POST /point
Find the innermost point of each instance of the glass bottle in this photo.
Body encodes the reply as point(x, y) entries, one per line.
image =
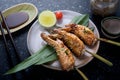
point(104, 7)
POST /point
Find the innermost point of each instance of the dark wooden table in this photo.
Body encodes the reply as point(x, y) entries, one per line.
point(95, 70)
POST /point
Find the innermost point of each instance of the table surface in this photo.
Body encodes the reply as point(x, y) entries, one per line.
point(95, 70)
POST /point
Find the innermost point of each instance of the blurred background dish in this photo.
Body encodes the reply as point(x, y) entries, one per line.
point(28, 8)
point(104, 7)
point(110, 27)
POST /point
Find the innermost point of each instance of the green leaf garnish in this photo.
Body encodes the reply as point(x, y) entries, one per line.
point(82, 19)
point(50, 58)
point(92, 28)
point(36, 58)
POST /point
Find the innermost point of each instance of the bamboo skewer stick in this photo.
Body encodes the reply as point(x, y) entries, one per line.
point(81, 73)
point(109, 41)
point(100, 58)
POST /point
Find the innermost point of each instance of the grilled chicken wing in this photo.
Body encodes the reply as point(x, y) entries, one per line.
point(70, 40)
point(82, 32)
point(64, 54)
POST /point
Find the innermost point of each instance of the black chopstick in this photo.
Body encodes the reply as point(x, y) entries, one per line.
point(9, 59)
point(12, 41)
point(6, 46)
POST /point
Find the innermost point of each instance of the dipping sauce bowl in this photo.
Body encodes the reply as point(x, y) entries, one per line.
point(110, 26)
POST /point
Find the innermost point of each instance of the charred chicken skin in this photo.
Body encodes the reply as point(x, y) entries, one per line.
point(70, 40)
point(84, 33)
point(65, 56)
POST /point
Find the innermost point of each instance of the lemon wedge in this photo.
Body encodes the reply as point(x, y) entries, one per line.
point(47, 18)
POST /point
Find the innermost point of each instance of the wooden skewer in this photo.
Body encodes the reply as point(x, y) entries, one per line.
point(100, 58)
point(81, 73)
point(96, 56)
point(109, 41)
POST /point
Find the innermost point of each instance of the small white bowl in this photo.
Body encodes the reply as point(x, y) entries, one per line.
point(110, 27)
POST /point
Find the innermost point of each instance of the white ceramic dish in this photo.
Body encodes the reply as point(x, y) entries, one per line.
point(29, 8)
point(35, 42)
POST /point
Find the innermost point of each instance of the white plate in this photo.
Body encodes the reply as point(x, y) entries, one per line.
point(35, 42)
point(29, 8)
